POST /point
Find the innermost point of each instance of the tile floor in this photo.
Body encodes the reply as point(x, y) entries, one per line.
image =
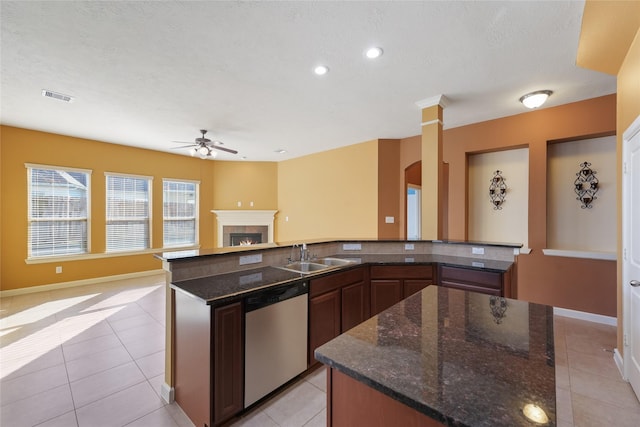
point(94, 356)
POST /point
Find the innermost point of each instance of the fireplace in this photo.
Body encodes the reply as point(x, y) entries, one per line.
point(245, 239)
point(241, 227)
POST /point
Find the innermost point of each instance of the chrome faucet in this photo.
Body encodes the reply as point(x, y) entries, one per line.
point(304, 253)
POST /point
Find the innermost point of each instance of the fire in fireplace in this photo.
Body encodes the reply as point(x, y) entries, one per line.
point(245, 239)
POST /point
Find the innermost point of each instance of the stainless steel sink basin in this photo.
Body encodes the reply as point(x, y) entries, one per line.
point(305, 267)
point(318, 264)
point(333, 261)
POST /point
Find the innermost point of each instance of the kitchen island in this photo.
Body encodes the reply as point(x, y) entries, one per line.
point(444, 357)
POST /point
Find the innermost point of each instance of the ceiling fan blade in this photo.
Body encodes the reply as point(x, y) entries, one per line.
point(184, 146)
point(228, 150)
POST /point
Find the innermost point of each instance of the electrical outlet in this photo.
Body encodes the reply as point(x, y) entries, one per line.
point(389, 219)
point(409, 247)
point(250, 259)
point(58, 269)
point(477, 251)
point(352, 247)
point(477, 264)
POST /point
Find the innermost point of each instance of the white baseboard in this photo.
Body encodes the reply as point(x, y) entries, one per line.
point(617, 357)
point(583, 315)
point(167, 393)
point(93, 281)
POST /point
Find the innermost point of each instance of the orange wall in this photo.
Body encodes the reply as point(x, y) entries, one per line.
point(20, 146)
point(585, 285)
point(332, 194)
point(245, 182)
point(388, 185)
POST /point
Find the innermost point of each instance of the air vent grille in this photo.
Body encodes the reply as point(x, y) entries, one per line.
point(56, 95)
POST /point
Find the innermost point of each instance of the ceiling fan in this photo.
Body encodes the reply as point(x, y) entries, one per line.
point(204, 147)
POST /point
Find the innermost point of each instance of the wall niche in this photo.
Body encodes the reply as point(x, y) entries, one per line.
point(509, 223)
point(572, 226)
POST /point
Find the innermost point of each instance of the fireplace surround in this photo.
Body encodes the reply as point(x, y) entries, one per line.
point(244, 224)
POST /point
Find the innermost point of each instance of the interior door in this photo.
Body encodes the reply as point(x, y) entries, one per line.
point(631, 253)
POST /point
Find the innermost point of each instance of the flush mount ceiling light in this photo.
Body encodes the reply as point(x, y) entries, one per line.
point(321, 70)
point(535, 99)
point(373, 52)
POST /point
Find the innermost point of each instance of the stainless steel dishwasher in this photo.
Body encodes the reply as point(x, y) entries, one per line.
point(275, 339)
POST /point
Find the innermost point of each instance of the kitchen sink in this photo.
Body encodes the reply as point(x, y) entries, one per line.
point(333, 261)
point(319, 264)
point(305, 267)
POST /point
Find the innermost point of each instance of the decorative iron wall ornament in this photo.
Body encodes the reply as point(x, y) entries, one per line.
point(497, 190)
point(586, 185)
point(498, 306)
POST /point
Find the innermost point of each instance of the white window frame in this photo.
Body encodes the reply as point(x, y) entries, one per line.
point(149, 219)
point(196, 216)
point(31, 219)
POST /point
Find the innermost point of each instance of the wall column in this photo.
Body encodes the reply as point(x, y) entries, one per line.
point(433, 180)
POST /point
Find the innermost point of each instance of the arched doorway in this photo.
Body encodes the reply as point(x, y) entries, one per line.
point(413, 200)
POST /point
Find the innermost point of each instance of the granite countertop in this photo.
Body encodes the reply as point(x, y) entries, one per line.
point(446, 354)
point(223, 288)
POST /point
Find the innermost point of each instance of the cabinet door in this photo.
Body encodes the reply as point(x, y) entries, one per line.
point(228, 381)
point(412, 286)
point(354, 308)
point(384, 294)
point(324, 320)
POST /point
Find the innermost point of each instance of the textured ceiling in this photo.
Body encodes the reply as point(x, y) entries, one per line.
point(148, 73)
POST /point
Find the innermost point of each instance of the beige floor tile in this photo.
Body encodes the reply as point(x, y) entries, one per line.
point(37, 408)
point(126, 312)
point(590, 363)
point(318, 378)
point(151, 365)
point(178, 415)
point(97, 362)
point(75, 334)
point(138, 320)
point(603, 389)
point(13, 368)
point(158, 418)
point(31, 384)
point(256, 418)
point(564, 407)
point(562, 377)
point(140, 332)
point(296, 406)
point(320, 420)
point(105, 383)
point(64, 420)
point(588, 412)
point(90, 346)
point(145, 346)
point(120, 408)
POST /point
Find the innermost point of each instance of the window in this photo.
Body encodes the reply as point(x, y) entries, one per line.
point(128, 215)
point(180, 213)
point(58, 210)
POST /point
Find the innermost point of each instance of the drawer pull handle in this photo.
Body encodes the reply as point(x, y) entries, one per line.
point(634, 283)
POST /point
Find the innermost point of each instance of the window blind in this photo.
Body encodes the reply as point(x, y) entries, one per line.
point(58, 211)
point(128, 219)
point(180, 213)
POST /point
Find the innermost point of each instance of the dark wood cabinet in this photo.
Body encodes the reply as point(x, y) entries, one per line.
point(324, 320)
point(467, 279)
point(384, 294)
point(228, 380)
point(208, 360)
point(354, 309)
point(337, 303)
point(392, 283)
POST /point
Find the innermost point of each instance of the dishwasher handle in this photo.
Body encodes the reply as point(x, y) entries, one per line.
point(268, 297)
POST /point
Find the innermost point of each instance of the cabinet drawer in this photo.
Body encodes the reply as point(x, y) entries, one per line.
point(401, 272)
point(335, 281)
point(475, 278)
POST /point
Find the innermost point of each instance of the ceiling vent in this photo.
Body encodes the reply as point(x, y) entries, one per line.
point(56, 95)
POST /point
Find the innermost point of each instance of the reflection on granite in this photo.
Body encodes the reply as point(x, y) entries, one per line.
point(222, 287)
point(442, 353)
point(455, 261)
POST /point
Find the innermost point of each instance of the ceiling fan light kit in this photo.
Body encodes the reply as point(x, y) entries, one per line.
point(204, 147)
point(535, 99)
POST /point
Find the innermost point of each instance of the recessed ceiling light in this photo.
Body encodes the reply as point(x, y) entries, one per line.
point(321, 70)
point(373, 52)
point(535, 99)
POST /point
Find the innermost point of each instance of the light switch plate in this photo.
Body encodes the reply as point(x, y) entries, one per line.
point(389, 219)
point(477, 251)
point(409, 247)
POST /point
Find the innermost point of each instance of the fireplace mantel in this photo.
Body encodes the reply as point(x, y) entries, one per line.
point(244, 218)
